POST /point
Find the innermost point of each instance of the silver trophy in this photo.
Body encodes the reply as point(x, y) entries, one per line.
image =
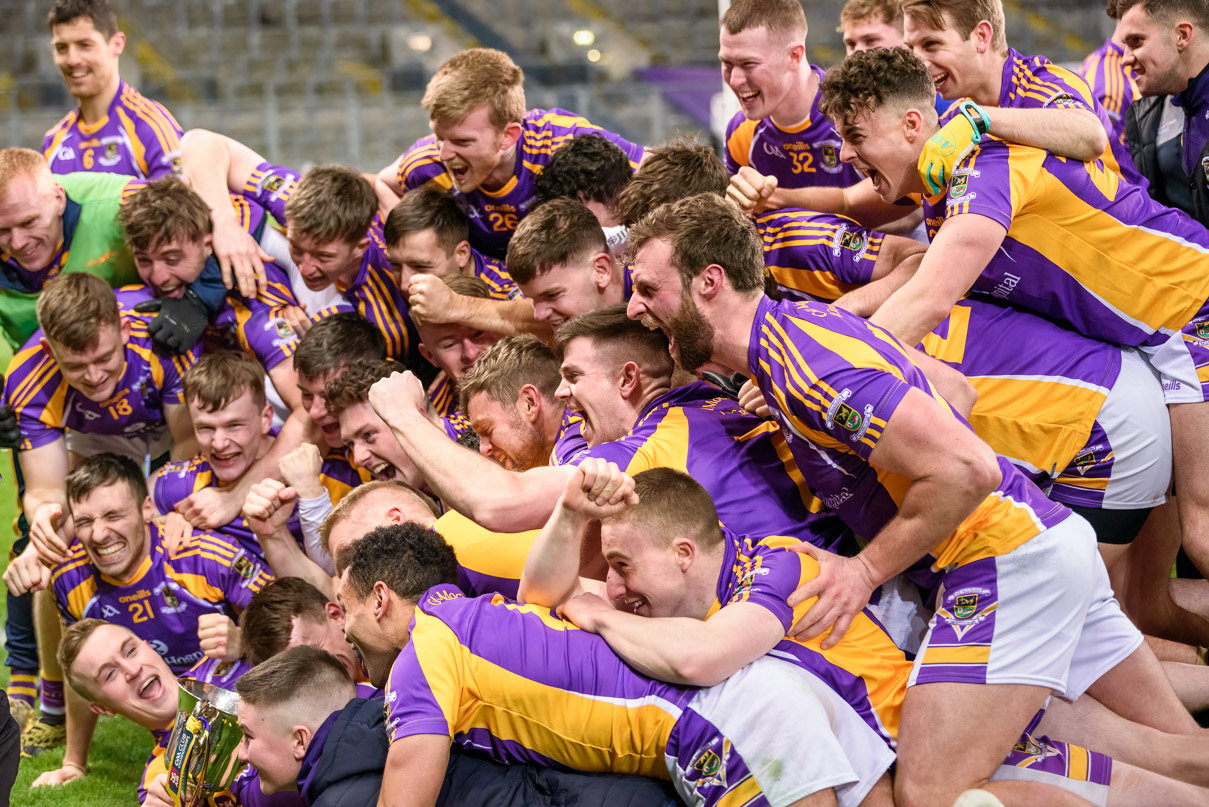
point(202, 757)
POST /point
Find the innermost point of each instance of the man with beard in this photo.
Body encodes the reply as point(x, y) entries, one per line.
point(486, 150)
point(618, 376)
point(882, 447)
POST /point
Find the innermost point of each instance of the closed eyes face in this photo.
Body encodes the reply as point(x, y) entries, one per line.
point(123, 673)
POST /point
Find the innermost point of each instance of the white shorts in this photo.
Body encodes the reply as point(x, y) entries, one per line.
point(1183, 361)
point(1042, 615)
point(143, 449)
point(772, 734)
point(1126, 462)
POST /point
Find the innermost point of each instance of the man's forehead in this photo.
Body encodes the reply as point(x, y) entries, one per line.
point(101, 647)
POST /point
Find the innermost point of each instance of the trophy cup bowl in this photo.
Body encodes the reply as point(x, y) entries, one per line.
point(201, 757)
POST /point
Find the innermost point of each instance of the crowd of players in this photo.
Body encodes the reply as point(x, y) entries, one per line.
point(544, 468)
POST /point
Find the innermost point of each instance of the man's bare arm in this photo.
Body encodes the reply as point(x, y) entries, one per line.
point(1066, 132)
point(960, 252)
point(430, 299)
point(897, 262)
point(415, 771)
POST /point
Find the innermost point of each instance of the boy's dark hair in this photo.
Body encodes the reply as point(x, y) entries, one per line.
point(104, 18)
point(409, 558)
point(1196, 11)
point(560, 232)
point(268, 621)
point(590, 167)
point(102, 470)
point(673, 171)
point(869, 80)
point(334, 342)
point(428, 208)
point(351, 387)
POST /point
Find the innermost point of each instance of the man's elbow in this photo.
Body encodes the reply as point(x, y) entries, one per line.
point(700, 670)
point(1095, 143)
point(980, 474)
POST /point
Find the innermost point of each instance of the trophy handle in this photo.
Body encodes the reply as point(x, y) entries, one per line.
point(186, 771)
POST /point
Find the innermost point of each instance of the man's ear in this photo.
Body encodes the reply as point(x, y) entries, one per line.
point(529, 403)
point(334, 611)
point(117, 43)
point(711, 281)
point(797, 54)
point(511, 135)
point(381, 594)
point(60, 199)
point(103, 711)
point(426, 353)
point(148, 509)
point(461, 255)
point(984, 36)
point(602, 270)
point(629, 379)
point(125, 330)
point(362, 245)
point(685, 551)
point(266, 419)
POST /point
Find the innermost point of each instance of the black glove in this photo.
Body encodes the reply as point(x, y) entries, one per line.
point(180, 323)
point(10, 435)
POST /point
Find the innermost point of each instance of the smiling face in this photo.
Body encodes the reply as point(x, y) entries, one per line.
point(885, 145)
point(234, 437)
point(111, 525)
point(271, 746)
point(505, 435)
point(169, 268)
point(329, 636)
point(590, 380)
point(645, 577)
point(568, 290)
point(760, 68)
point(87, 60)
point(123, 674)
point(323, 263)
point(375, 448)
point(1152, 50)
point(453, 348)
point(471, 149)
point(31, 220)
point(94, 372)
point(366, 632)
point(951, 59)
point(870, 33)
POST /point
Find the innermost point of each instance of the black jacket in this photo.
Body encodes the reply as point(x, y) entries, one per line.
point(343, 766)
point(1142, 133)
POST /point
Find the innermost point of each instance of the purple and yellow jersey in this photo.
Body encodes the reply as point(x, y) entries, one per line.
point(339, 476)
point(1113, 85)
point(163, 599)
point(1040, 385)
point(177, 481)
point(1034, 82)
point(1082, 246)
point(570, 441)
point(833, 381)
point(865, 667)
point(494, 215)
point(495, 274)
point(488, 562)
point(817, 256)
point(245, 790)
point(741, 460)
point(45, 405)
point(456, 426)
point(521, 685)
point(443, 395)
point(137, 137)
point(806, 155)
point(374, 293)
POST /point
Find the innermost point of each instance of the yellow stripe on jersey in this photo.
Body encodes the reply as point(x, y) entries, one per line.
point(742, 793)
point(1076, 242)
point(1043, 422)
point(961, 654)
point(61, 130)
point(132, 137)
point(497, 554)
point(564, 726)
point(1085, 482)
point(817, 284)
point(195, 584)
point(78, 597)
point(156, 117)
point(153, 362)
point(739, 143)
point(667, 446)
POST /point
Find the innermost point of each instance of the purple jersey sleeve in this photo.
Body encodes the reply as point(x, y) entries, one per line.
point(422, 164)
point(852, 405)
point(983, 184)
point(225, 566)
point(270, 186)
point(174, 483)
point(35, 390)
point(813, 253)
point(732, 165)
point(414, 688)
point(767, 572)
